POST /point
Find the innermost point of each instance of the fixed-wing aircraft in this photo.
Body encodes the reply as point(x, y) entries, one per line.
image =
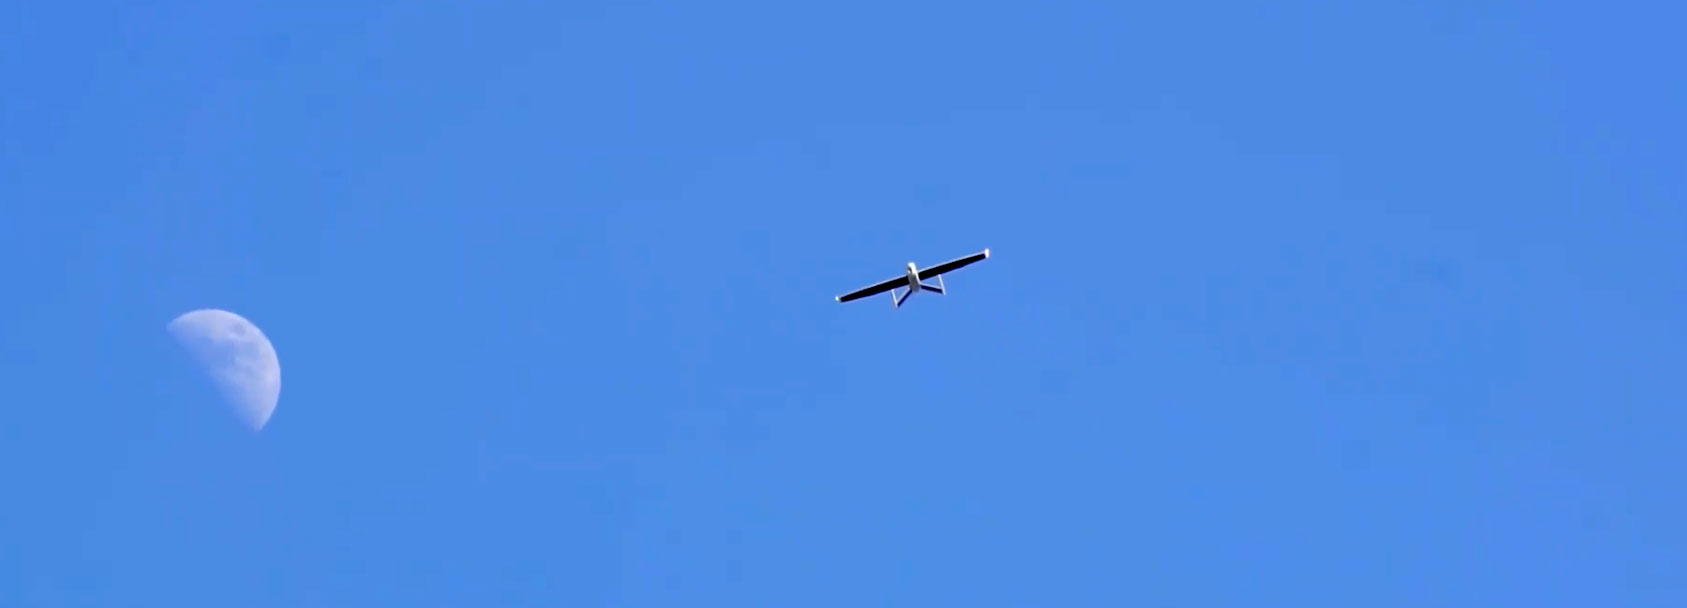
point(913, 279)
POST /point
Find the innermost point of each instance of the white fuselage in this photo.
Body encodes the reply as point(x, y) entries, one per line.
point(913, 277)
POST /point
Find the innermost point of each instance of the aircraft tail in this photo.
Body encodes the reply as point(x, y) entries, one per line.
point(897, 300)
point(903, 298)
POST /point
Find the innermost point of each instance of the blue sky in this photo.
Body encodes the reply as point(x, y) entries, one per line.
point(1290, 304)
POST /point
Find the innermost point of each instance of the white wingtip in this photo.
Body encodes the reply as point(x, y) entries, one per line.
point(986, 252)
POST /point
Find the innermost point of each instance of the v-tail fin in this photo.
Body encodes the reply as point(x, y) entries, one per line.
point(903, 298)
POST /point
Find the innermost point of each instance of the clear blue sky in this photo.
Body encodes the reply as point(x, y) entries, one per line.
point(1298, 303)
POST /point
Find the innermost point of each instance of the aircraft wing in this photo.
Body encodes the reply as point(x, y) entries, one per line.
point(874, 289)
point(927, 273)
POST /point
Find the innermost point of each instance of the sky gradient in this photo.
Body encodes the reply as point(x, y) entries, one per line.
point(1289, 304)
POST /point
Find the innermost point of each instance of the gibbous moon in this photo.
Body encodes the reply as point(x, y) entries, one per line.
point(239, 359)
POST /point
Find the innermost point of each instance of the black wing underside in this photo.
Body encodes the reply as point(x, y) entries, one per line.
point(953, 264)
point(875, 289)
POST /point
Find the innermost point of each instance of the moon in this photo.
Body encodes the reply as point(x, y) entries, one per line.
point(238, 357)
